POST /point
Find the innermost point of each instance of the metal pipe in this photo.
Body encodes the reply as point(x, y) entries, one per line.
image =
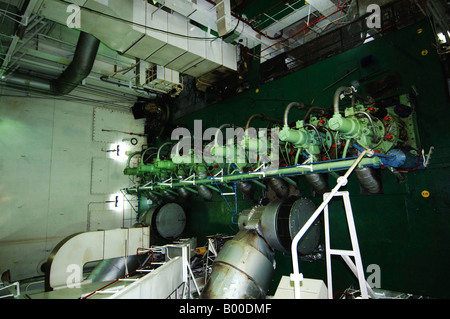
point(318, 182)
point(318, 134)
point(243, 268)
point(245, 265)
point(145, 151)
point(279, 186)
point(347, 144)
point(303, 169)
point(131, 156)
point(114, 268)
point(366, 176)
point(374, 128)
point(286, 111)
point(203, 190)
point(159, 149)
point(337, 96)
point(218, 130)
point(263, 117)
point(80, 67)
point(74, 74)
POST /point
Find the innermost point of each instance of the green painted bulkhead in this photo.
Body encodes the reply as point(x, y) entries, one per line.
point(401, 231)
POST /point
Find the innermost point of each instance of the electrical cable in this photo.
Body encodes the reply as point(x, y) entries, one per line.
point(251, 25)
point(129, 133)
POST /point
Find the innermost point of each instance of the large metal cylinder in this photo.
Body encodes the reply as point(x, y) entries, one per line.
point(243, 268)
point(245, 265)
point(282, 220)
point(169, 220)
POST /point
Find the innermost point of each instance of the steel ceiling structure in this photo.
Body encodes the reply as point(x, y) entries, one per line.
point(36, 40)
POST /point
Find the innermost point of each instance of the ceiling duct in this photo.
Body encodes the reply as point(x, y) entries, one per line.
point(73, 75)
point(151, 33)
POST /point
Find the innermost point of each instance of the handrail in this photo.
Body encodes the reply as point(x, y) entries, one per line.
point(296, 277)
point(17, 285)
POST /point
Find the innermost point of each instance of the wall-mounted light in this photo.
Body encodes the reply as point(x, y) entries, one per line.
point(441, 37)
point(117, 151)
point(115, 202)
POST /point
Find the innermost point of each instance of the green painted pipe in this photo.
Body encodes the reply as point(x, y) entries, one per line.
point(349, 127)
point(321, 167)
point(191, 190)
point(259, 184)
point(290, 181)
point(297, 137)
point(130, 171)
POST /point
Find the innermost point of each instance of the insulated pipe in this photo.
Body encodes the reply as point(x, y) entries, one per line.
point(279, 186)
point(114, 268)
point(263, 117)
point(243, 268)
point(286, 111)
point(374, 128)
point(318, 182)
point(159, 149)
point(75, 73)
point(218, 130)
point(80, 67)
point(366, 176)
point(203, 190)
point(337, 96)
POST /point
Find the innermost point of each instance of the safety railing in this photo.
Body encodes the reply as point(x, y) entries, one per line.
point(296, 276)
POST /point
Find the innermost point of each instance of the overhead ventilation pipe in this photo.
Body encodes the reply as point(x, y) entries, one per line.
point(80, 67)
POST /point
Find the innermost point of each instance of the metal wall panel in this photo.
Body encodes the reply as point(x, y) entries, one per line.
point(46, 161)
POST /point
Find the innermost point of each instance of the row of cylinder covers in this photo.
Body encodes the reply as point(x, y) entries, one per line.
point(324, 135)
point(245, 264)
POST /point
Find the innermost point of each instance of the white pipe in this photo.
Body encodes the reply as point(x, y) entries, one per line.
point(337, 97)
point(159, 149)
point(217, 132)
point(286, 112)
point(296, 277)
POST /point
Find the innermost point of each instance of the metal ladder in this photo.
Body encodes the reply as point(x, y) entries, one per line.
point(357, 269)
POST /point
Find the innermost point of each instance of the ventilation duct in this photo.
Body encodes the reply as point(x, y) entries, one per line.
point(75, 73)
point(139, 29)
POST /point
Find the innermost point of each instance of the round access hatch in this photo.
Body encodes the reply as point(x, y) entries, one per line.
point(302, 209)
point(170, 221)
